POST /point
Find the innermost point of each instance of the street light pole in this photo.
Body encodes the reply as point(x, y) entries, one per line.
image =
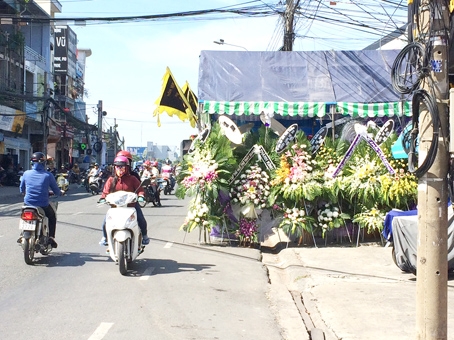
point(222, 42)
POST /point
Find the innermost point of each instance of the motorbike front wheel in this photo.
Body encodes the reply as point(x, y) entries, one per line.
point(29, 251)
point(122, 261)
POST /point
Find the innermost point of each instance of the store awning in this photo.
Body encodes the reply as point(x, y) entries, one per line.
point(308, 109)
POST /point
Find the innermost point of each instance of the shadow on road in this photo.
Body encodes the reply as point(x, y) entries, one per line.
point(68, 259)
point(138, 267)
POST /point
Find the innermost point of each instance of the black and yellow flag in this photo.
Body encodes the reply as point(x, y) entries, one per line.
point(193, 103)
point(172, 100)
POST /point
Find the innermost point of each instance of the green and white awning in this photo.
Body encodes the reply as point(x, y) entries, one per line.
point(308, 109)
point(302, 109)
point(365, 110)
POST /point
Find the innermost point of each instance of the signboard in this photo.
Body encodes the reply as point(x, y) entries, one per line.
point(137, 150)
point(13, 120)
point(65, 51)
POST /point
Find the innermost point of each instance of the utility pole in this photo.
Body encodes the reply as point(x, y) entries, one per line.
point(100, 114)
point(432, 264)
point(289, 24)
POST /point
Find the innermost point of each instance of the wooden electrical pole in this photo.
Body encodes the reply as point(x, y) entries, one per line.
point(432, 264)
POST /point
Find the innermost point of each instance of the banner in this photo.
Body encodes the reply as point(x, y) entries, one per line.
point(172, 100)
point(193, 102)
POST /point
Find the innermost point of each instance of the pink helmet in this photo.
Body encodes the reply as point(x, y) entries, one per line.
point(121, 160)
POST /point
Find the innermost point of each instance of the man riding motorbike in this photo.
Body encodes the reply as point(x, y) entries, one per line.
point(124, 180)
point(35, 186)
point(152, 172)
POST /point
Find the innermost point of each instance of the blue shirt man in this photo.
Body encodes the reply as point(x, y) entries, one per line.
point(35, 186)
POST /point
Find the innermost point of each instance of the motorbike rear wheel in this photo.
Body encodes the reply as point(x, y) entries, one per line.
point(29, 251)
point(122, 261)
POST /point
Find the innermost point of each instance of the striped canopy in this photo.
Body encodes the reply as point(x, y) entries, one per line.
point(308, 109)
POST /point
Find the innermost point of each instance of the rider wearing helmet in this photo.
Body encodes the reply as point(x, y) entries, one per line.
point(147, 170)
point(128, 155)
point(167, 173)
point(123, 180)
point(35, 186)
point(152, 173)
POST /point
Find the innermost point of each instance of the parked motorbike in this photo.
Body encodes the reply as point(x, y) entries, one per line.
point(34, 226)
point(150, 186)
point(62, 181)
point(123, 232)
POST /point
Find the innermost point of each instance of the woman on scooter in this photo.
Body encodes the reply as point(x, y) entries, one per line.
point(123, 180)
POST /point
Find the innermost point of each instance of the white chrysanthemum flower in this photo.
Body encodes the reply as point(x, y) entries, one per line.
point(335, 214)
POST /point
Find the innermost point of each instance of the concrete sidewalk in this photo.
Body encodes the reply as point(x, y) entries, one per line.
point(351, 292)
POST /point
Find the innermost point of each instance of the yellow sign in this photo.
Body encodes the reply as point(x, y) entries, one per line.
point(11, 119)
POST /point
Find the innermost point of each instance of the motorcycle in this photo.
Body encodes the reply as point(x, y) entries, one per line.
point(84, 180)
point(123, 233)
point(73, 177)
point(168, 184)
point(62, 181)
point(34, 226)
point(95, 184)
point(150, 186)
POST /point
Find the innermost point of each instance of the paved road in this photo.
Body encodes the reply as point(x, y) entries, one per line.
point(175, 290)
point(340, 292)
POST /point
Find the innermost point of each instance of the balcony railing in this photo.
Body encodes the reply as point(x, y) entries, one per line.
point(32, 55)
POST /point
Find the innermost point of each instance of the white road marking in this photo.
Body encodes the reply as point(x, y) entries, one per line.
point(147, 273)
point(168, 244)
point(101, 331)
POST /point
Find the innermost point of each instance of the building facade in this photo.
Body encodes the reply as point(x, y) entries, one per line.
point(41, 86)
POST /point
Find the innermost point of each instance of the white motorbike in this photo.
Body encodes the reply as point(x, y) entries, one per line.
point(123, 233)
point(34, 226)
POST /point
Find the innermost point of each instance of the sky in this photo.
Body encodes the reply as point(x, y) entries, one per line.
point(129, 60)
